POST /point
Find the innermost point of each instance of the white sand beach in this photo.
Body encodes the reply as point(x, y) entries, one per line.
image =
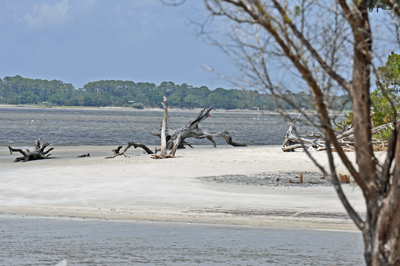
point(141, 188)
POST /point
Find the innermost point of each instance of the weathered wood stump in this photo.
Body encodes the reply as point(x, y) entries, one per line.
point(38, 154)
point(163, 154)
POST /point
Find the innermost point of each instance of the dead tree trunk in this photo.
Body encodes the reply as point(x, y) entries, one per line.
point(192, 130)
point(38, 154)
point(163, 153)
point(163, 136)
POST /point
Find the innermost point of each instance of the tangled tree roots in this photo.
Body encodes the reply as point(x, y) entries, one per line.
point(38, 154)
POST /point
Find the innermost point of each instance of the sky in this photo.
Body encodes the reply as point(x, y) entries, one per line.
point(78, 41)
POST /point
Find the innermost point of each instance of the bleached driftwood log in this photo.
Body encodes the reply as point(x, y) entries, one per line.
point(38, 154)
point(163, 137)
point(192, 130)
point(293, 140)
point(118, 152)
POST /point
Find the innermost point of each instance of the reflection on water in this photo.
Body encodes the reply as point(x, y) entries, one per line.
point(41, 241)
point(20, 127)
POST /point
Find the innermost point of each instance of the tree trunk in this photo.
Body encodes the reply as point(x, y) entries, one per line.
point(163, 153)
point(163, 136)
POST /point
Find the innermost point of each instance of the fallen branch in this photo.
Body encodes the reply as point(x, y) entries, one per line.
point(83, 155)
point(317, 142)
point(130, 144)
point(144, 147)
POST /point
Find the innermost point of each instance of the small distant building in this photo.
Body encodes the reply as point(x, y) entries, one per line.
point(255, 108)
point(131, 101)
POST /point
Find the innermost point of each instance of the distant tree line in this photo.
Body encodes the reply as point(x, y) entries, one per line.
point(19, 90)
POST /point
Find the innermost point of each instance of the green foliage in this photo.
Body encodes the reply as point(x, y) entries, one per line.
point(346, 122)
point(138, 105)
point(297, 11)
point(383, 134)
point(18, 90)
point(384, 113)
point(380, 4)
point(385, 99)
point(390, 73)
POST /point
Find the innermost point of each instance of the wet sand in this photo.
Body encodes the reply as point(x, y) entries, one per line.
point(140, 188)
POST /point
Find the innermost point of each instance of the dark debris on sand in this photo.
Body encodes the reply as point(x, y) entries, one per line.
point(286, 179)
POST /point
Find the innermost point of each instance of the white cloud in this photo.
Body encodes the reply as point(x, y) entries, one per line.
point(84, 5)
point(46, 14)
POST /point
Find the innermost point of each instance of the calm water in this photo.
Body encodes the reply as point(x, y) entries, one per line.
point(44, 241)
point(20, 127)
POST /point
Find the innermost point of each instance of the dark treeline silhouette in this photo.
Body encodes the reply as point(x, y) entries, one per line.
point(19, 90)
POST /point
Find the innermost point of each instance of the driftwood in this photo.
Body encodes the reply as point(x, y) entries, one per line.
point(172, 139)
point(192, 130)
point(118, 152)
point(38, 154)
point(144, 147)
point(316, 142)
point(163, 135)
point(83, 155)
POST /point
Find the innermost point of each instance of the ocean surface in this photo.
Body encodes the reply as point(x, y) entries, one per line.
point(68, 127)
point(46, 241)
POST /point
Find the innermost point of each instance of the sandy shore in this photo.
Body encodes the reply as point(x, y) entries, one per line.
point(140, 188)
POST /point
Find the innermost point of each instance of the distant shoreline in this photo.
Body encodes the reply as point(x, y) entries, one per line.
point(116, 108)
